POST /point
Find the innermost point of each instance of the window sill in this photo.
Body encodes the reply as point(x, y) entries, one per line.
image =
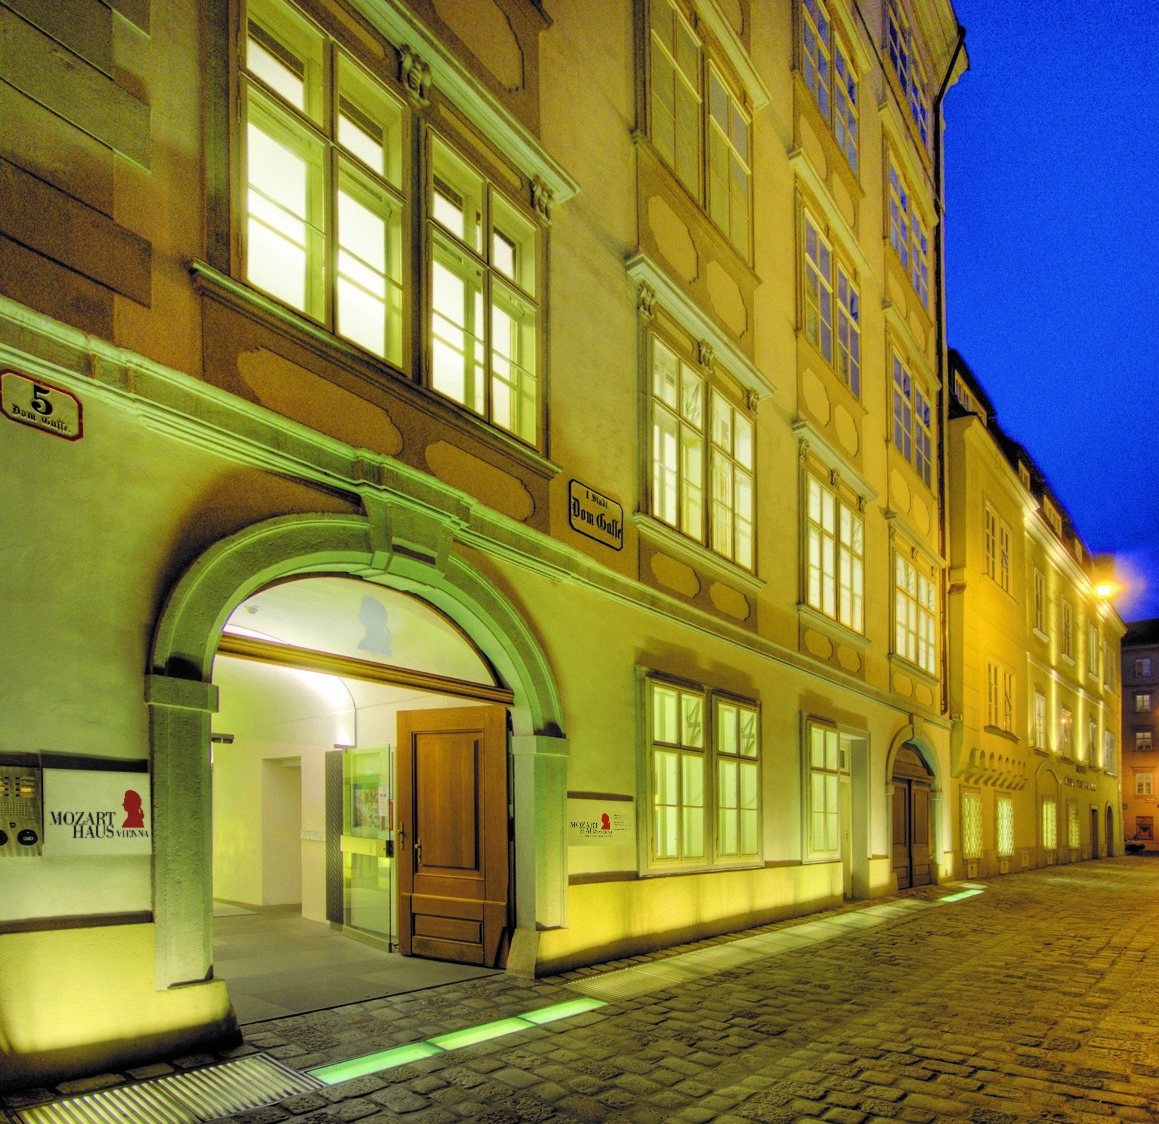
point(998, 732)
point(900, 663)
point(650, 528)
point(700, 868)
point(1040, 635)
point(835, 629)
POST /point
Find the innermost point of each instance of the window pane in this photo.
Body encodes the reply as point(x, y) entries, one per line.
point(513, 244)
point(513, 346)
point(369, 121)
point(456, 197)
point(456, 327)
point(286, 51)
point(692, 724)
point(664, 712)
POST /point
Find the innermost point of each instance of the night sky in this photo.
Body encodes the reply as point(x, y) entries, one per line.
point(1052, 154)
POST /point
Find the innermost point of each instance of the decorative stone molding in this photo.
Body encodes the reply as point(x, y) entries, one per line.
point(542, 199)
point(416, 76)
point(646, 300)
point(704, 354)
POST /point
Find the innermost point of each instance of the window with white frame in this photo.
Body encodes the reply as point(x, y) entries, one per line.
point(484, 316)
point(829, 75)
point(915, 615)
point(997, 545)
point(1073, 839)
point(681, 113)
point(702, 457)
point(1092, 756)
point(908, 234)
point(904, 58)
point(1065, 729)
point(324, 202)
point(1142, 701)
point(999, 697)
point(835, 556)
point(831, 293)
point(1143, 666)
point(1040, 720)
point(327, 224)
point(703, 759)
point(1108, 750)
point(1093, 648)
point(1143, 742)
point(824, 791)
point(1049, 823)
point(911, 420)
point(1143, 784)
point(1039, 608)
point(1067, 630)
point(1053, 516)
point(1004, 816)
point(971, 824)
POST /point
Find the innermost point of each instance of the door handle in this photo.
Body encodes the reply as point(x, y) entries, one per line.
point(401, 834)
point(418, 852)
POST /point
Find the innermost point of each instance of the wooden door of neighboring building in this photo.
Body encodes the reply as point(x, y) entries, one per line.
point(912, 792)
point(451, 840)
point(1094, 833)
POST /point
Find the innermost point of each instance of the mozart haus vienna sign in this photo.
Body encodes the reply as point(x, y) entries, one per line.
point(90, 812)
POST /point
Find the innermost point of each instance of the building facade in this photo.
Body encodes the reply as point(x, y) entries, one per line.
point(477, 471)
point(1033, 670)
point(1140, 679)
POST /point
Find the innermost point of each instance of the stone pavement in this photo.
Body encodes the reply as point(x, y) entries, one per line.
point(1028, 997)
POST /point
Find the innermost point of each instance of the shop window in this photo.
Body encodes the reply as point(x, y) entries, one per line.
point(1004, 816)
point(1049, 823)
point(971, 824)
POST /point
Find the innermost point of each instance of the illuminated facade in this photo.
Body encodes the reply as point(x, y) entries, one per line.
point(403, 392)
point(1033, 671)
point(1140, 660)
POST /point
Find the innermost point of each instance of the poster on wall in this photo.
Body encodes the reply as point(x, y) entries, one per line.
point(89, 812)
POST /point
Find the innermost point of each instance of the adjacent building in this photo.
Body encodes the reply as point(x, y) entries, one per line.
point(1140, 656)
point(477, 471)
point(1033, 676)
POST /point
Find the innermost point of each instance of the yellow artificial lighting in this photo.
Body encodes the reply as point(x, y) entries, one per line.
point(1104, 589)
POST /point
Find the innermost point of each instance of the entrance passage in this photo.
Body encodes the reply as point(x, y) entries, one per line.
point(912, 789)
point(451, 841)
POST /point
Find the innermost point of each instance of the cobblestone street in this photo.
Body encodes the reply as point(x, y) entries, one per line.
point(1030, 997)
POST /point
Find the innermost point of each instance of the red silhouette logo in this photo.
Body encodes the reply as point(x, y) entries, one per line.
point(134, 813)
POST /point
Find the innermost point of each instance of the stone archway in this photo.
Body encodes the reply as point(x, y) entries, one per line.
point(914, 809)
point(398, 547)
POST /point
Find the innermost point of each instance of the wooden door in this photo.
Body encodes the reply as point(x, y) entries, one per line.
point(920, 865)
point(1094, 833)
point(912, 799)
point(901, 834)
point(451, 839)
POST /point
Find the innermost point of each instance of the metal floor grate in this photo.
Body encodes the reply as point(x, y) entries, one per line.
point(196, 1097)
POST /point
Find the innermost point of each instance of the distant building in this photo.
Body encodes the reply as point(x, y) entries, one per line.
point(1140, 653)
point(1034, 690)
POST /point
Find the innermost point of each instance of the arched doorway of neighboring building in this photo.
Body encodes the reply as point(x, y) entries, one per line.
point(912, 851)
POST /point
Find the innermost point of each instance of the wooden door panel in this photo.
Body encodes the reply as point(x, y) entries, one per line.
point(452, 858)
point(922, 868)
point(901, 833)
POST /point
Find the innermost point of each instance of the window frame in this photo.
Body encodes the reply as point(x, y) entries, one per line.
point(710, 754)
point(830, 76)
point(915, 635)
point(1004, 825)
point(1039, 734)
point(726, 484)
point(834, 579)
point(908, 68)
point(913, 421)
point(1144, 783)
point(971, 824)
point(996, 542)
point(910, 232)
point(830, 303)
point(822, 792)
point(1144, 741)
point(1039, 601)
point(1142, 702)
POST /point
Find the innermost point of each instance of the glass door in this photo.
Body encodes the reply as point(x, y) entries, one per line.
point(367, 841)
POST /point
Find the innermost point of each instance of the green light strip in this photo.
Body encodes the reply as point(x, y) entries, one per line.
point(960, 896)
point(401, 1055)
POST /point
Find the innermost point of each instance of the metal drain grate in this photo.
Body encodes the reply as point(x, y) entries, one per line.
point(182, 1098)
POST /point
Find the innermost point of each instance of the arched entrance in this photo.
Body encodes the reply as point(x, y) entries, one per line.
point(396, 549)
point(912, 847)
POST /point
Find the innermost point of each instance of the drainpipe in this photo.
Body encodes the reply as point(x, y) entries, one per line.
point(943, 373)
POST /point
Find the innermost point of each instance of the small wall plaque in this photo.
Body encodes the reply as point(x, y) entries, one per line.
point(596, 516)
point(40, 405)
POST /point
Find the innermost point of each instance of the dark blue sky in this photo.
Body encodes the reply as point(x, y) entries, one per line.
point(1052, 155)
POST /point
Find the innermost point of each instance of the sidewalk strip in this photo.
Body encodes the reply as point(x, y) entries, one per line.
point(454, 1040)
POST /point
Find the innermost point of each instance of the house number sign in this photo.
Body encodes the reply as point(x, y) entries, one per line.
point(596, 516)
point(40, 405)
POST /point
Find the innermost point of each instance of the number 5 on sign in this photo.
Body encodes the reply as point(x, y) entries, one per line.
point(38, 404)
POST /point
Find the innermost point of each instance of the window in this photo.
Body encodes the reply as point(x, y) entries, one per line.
point(680, 116)
point(1143, 784)
point(1143, 666)
point(997, 542)
point(999, 697)
point(1004, 813)
point(1073, 838)
point(323, 204)
point(825, 63)
point(1040, 720)
point(911, 420)
point(903, 58)
point(1053, 516)
point(1049, 823)
point(915, 616)
point(702, 458)
point(825, 768)
point(327, 225)
point(835, 565)
point(1067, 630)
point(1093, 647)
point(1065, 726)
point(703, 751)
point(1142, 701)
point(1039, 601)
point(1092, 756)
point(971, 824)
point(908, 234)
point(823, 274)
point(1143, 743)
point(1108, 750)
point(483, 313)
